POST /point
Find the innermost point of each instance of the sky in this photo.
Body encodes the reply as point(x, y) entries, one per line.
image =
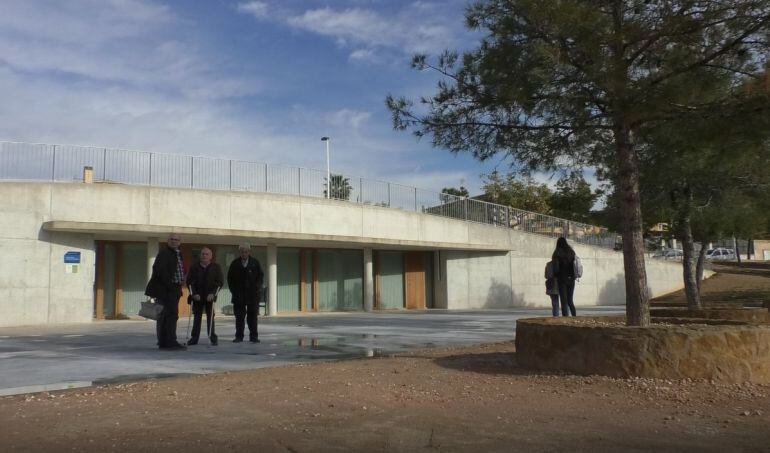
point(238, 79)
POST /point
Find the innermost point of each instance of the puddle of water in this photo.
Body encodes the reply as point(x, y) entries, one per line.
point(139, 377)
point(319, 342)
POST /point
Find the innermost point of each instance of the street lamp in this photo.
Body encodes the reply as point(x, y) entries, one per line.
point(328, 173)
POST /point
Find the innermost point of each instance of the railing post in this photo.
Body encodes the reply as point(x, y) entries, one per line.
point(415, 199)
point(299, 181)
point(266, 185)
point(104, 165)
point(507, 217)
point(361, 190)
point(388, 194)
point(149, 175)
point(192, 170)
point(53, 164)
point(231, 174)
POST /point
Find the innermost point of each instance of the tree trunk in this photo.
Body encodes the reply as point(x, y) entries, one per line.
point(700, 265)
point(690, 272)
point(737, 251)
point(637, 295)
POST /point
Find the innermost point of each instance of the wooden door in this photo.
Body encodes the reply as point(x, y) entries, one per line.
point(414, 273)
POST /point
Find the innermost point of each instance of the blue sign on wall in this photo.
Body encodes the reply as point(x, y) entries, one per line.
point(72, 258)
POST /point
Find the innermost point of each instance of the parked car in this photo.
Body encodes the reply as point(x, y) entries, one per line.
point(669, 254)
point(720, 254)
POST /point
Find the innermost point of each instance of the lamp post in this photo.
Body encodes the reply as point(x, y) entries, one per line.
point(328, 172)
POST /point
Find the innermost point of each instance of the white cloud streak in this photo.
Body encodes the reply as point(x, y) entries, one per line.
point(414, 29)
point(118, 42)
point(254, 8)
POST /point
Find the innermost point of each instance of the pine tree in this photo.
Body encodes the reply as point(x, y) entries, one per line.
point(572, 82)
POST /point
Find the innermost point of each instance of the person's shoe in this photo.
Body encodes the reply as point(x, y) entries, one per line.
point(192, 342)
point(254, 339)
point(173, 347)
point(238, 340)
point(214, 340)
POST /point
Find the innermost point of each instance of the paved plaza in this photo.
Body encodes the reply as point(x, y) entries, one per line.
point(38, 358)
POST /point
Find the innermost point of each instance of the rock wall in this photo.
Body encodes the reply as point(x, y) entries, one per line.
point(725, 351)
point(749, 315)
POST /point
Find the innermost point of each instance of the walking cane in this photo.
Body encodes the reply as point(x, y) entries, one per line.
point(189, 312)
point(210, 322)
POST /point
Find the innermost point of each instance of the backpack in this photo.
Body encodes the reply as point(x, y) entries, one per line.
point(549, 270)
point(577, 267)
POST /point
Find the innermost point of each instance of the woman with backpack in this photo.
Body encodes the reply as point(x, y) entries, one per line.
point(566, 269)
point(552, 288)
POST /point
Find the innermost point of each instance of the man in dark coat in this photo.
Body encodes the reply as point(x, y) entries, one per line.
point(244, 278)
point(165, 286)
point(204, 280)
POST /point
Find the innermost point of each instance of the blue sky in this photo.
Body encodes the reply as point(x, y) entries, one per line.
point(253, 80)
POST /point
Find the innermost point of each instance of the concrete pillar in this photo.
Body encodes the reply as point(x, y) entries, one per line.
point(368, 280)
point(272, 279)
point(673, 243)
point(152, 252)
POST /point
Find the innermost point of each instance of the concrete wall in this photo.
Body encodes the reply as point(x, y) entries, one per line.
point(34, 287)
point(515, 278)
point(478, 266)
point(278, 216)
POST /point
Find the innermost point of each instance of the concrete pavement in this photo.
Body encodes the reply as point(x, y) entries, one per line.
point(40, 358)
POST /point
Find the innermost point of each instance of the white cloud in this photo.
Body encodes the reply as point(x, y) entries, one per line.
point(44, 111)
point(363, 55)
point(347, 118)
point(119, 42)
point(55, 21)
point(254, 8)
point(417, 28)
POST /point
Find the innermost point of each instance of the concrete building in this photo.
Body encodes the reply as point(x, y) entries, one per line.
point(78, 251)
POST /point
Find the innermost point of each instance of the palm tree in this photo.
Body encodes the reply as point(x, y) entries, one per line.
point(340, 187)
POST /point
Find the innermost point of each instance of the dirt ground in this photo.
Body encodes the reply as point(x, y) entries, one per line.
point(468, 399)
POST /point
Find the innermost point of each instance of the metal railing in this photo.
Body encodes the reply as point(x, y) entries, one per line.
point(65, 163)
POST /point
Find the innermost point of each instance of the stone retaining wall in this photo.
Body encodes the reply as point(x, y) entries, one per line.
point(749, 315)
point(725, 351)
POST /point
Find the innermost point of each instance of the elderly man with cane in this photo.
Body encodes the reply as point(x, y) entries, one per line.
point(204, 281)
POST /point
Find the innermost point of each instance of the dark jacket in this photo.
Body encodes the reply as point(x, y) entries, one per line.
point(564, 265)
point(245, 283)
point(161, 284)
point(205, 281)
point(551, 285)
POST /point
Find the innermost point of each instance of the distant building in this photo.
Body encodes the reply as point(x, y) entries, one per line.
point(76, 251)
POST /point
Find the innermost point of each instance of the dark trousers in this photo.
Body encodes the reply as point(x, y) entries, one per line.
point(166, 324)
point(197, 308)
point(249, 313)
point(554, 304)
point(566, 290)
